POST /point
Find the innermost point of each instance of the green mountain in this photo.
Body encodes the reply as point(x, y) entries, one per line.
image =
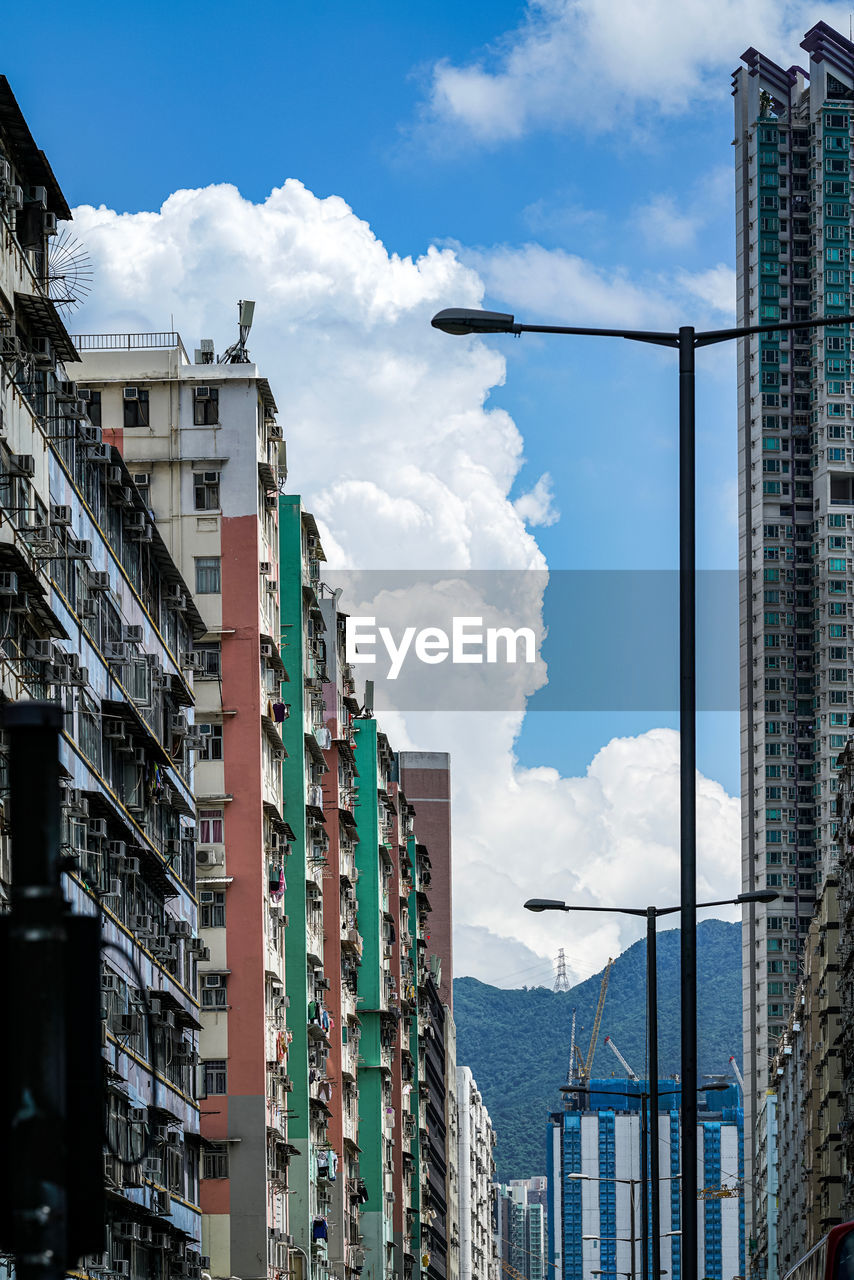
point(517, 1041)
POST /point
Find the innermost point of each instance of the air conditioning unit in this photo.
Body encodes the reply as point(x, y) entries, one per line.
point(98, 580)
point(89, 434)
point(97, 828)
point(151, 1167)
point(132, 633)
point(174, 594)
point(49, 226)
point(100, 453)
point(89, 608)
point(36, 195)
point(42, 352)
point(208, 855)
point(132, 866)
point(22, 464)
point(265, 567)
point(76, 409)
point(79, 549)
point(212, 980)
point(8, 583)
point(180, 928)
point(40, 650)
point(130, 1024)
point(60, 516)
point(117, 653)
point(178, 722)
point(202, 393)
point(114, 730)
point(142, 924)
point(175, 1137)
point(130, 393)
point(109, 982)
point(117, 849)
point(115, 475)
point(136, 520)
point(267, 650)
point(139, 756)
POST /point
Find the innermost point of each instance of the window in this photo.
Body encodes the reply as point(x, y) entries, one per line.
point(210, 826)
point(216, 1076)
point(215, 1160)
point(213, 990)
point(93, 406)
point(206, 406)
point(208, 575)
point(206, 490)
point(138, 676)
point(210, 661)
point(135, 401)
point(212, 903)
point(212, 741)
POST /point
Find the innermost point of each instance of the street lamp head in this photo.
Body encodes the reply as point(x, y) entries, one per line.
point(758, 895)
point(461, 320)
point(545, 904)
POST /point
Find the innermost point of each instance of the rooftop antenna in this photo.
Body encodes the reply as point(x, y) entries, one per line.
point(561, 976)
point(237, 353)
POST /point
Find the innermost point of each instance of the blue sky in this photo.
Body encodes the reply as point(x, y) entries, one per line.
point(576, 156)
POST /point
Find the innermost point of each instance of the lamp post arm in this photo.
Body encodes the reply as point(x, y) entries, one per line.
point(711, 336)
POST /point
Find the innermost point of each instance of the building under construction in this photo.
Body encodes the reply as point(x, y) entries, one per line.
point(595, 1183)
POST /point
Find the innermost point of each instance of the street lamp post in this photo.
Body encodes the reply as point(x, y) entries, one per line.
point(686, 340)
point(651, 1100)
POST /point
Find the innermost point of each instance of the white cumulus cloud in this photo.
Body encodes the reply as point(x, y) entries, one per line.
point(600, 63)
point(393, 444)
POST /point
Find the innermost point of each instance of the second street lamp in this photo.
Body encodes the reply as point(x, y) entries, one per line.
point(689, 1113)
point(686, 340)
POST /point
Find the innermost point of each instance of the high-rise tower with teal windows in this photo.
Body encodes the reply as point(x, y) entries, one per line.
point(793, 130)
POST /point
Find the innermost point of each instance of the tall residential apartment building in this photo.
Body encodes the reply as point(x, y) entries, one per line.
point(796, 508)
point(202, 444)
point(97, 619)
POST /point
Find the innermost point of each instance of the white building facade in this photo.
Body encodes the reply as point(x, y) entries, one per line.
point(476, 1173)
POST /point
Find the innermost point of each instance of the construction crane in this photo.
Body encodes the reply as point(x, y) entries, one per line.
point(737, 1073)
point(633, 1075)
point(597, 1023)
